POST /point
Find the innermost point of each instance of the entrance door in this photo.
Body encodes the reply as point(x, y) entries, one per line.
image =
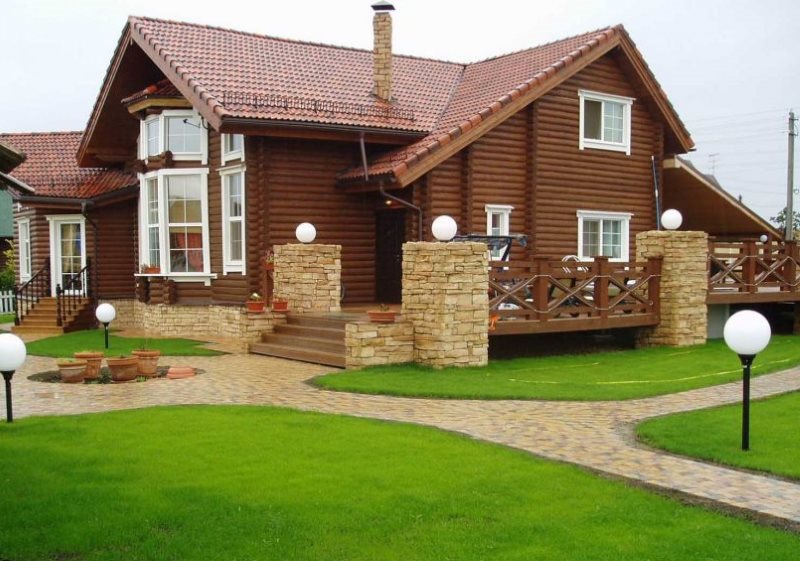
point(390, 233)
point(68, 253)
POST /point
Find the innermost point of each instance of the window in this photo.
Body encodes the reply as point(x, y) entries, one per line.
point(232, 147)
point(179, 131)
point(498, 223)
point(605, 121)
point(233, 201)
point(174, 224)
point(152, 129)
point(183, 135)
point(24, 237)
point(603, 234)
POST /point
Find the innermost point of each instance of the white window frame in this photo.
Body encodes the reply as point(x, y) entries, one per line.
point(624, 217)
point(201, 156)
point(233, 154)
point(626, 102)
point(505, 225)
point(55, 220)
point(25, 272)
point(230, 265)
point(144, 253)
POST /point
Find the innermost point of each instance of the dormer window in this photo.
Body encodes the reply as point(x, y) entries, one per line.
point(181, 132)
point(605, 121)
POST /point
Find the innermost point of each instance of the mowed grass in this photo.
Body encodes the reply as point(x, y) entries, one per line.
point(601, 376)
point(716, 435)
point(92, 340)
point(248, 483)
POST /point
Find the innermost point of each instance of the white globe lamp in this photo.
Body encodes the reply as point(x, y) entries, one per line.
point(671, 219)
point(105, 314)
point(12, 356)
point(444, 228)
point(763, 238)
point(747, 333)
point(305, 232)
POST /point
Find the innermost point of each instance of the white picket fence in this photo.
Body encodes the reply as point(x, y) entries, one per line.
point(6, 301)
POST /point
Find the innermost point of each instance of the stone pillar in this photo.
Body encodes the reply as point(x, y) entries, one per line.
point(371, 344)
point(445, 297)
point(684, 286)
point(309, 276)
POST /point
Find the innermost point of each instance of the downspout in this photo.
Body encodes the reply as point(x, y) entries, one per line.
point(387, 195)
point(655, 187)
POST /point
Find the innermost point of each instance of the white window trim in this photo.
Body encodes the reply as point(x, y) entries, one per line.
point(163, 239)
point(627, 102)
point(201, 156)
point(505, 212)
point(25, 269)
point(625, 217)
point(233, 155)
point(229, 265)
point(54, 220)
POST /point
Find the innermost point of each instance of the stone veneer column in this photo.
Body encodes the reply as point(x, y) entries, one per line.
point(445, 297)
point(684, 286)
point(309, 276)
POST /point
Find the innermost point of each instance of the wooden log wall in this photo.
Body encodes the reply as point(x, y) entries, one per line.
point(116, 264)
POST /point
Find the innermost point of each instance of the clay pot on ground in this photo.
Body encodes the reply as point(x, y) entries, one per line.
point(72, 371)
point(178, 372)
point(123, 368)
point(148, 361)
point(93, 362)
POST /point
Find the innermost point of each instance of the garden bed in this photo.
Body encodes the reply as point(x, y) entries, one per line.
point(54, 376)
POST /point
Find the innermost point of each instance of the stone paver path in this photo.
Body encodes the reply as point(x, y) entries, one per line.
point(597, 435)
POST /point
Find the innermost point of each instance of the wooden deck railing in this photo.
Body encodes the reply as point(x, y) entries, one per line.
point(28, 294)
point(547, 295)
point(753, 271)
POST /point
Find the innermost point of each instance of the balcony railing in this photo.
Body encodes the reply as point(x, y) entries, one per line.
point(764, 271)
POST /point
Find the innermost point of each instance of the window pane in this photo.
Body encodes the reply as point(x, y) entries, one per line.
point(154, 254)
point(612, 121)
point(152, 201)
point(234, 142)
point(592, 119)
point(183, 137)
point(235, 249)
point(151, 128)
point(591, 238)
point(612, 238)
point(234, 184)
point(186, 249)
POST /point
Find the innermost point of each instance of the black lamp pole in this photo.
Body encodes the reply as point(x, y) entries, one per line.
point(7, 375)
point(105, 326)
point(747, 361)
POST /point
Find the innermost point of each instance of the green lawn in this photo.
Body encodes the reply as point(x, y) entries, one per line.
point(7, 318)
point(253, 483)
point(92, 340)
point(601, 376)
point(715, 434)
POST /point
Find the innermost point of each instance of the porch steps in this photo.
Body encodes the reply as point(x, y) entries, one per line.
point(308, 338)
point(42, 318)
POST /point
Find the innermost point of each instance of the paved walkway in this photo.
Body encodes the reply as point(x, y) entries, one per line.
point(598, 435)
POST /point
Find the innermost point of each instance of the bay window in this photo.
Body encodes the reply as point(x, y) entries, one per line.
point(233, 208)
point(181, 132)
point(603, 234)
point(605, 121)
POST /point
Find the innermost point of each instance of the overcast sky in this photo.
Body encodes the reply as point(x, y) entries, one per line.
point(729, 67)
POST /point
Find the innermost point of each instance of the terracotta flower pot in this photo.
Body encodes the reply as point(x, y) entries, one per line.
point(148, 362)
point(123, 369)
point(281, 306)
point(380, 316)
point(255, 306)
point(72, 371)
point(93, 362)
point(178, 372)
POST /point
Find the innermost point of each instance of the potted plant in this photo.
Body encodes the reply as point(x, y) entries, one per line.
point(255, 303)
point(269, 260)
point(280, 305)
point(72, 370)
point(151, 269)
point(382, 315)
point(93, 359)
point(148, 360)
point(123, 368)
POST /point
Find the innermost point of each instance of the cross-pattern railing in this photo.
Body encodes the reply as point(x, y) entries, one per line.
point(753, 267)
point(545, 295)
point(71, 297)
point(28, 294)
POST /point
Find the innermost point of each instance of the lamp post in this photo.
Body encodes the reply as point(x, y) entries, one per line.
point(12, 355)
point(105, 314)
point(444, 228)
point(747, 333)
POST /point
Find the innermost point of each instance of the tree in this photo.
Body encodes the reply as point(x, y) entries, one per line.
point(780, 221)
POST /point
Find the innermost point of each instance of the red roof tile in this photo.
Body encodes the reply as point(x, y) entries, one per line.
point(52, 171)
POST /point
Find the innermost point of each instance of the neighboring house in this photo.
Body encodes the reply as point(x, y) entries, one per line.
point(235, 138)
point(9, 159)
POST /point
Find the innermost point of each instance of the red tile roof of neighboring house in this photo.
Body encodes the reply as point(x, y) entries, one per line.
point(52, 171)
point(162, 88)
point(9, 158)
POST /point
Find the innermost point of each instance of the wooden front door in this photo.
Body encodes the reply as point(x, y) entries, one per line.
point(67, 252)
point(390, 233)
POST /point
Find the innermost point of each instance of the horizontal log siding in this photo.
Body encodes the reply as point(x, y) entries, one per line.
point(297, 183)
point(116, 225)
point(568, 179)
point(447, 184)
point(40, 239)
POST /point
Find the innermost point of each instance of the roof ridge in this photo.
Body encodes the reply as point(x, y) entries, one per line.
point(287, 40)
point(38, 133)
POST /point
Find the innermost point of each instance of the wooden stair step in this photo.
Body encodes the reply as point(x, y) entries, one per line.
point(304, 342)
point(299, 353)
point(311, 331)
point(309, 320)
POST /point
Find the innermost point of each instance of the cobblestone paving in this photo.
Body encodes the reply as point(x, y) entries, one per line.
point(598, 435)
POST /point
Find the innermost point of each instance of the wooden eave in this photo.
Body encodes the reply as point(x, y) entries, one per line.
point(158, 103)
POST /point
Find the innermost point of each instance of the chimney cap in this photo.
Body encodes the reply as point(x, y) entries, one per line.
point(382, 6)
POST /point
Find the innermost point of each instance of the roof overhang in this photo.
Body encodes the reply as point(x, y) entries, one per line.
point(105, 199)
point(706, 206)
point(9, 158)
point(16, 186)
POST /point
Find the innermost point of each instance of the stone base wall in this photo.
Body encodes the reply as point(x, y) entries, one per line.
point(372, 344)
point(684, 286)
point(309, 276)
point(229, 322)
point(445, 297)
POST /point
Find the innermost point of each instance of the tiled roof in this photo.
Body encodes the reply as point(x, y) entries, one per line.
point(162, 88)
point(245, 75)
point(52, 171)
point(9, 158)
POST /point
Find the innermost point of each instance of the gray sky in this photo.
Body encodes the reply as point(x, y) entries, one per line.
point(729, 67)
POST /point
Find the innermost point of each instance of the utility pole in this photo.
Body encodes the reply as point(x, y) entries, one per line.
point(790, 181)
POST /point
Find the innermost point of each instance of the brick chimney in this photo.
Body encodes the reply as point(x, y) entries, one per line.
point(382, 55)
